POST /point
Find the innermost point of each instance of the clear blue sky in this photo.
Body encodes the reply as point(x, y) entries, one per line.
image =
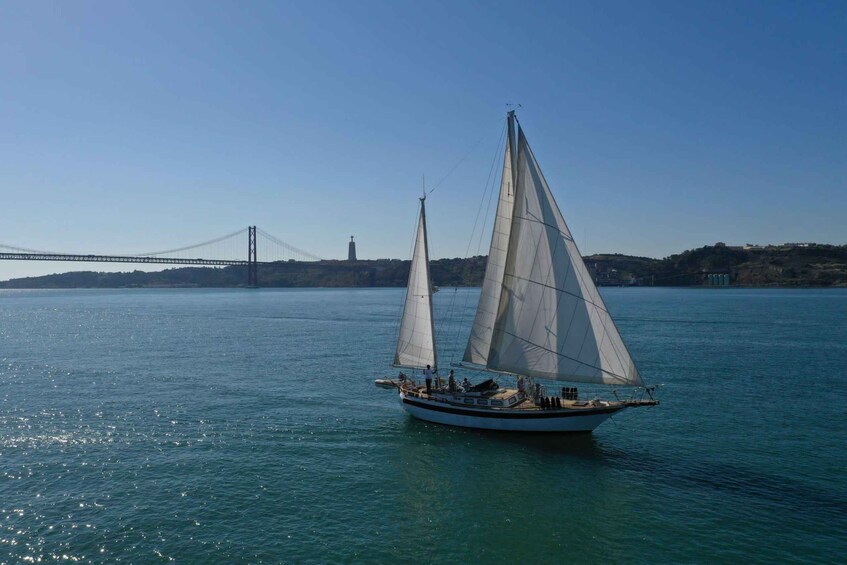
point(661, 126)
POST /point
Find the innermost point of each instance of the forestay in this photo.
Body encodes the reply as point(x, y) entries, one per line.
point(479, 342)
point(416, 342)
point(551, 321)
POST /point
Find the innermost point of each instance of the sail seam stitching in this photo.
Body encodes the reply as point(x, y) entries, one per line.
point(615, 375)
point(545, 224)
point(558, 290)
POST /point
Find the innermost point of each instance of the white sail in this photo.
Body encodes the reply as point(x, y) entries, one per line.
point(551, 321)
point(479, 342)
point(416, 343)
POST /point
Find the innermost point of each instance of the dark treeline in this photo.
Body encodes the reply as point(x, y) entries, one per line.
point(796, 265)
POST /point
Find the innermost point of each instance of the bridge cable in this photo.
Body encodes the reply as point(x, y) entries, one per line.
point(287, 246)
point(25, 250)
point(211, 241)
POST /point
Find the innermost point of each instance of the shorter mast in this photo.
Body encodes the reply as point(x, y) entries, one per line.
point(416, 341)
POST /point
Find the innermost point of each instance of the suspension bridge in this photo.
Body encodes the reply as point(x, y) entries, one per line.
point(226, 250)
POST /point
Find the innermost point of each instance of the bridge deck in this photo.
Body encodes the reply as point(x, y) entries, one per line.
point(121, 259)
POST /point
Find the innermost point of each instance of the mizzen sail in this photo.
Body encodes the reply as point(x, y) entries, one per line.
point(416, 342)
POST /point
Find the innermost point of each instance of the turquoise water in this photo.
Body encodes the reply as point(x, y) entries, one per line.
point(243, 426)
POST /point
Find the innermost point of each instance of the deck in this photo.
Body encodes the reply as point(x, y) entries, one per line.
point(509, 398)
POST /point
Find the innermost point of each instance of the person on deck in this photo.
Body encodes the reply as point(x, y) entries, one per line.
point(451, 382)
point(428, 377)
point(466, 384)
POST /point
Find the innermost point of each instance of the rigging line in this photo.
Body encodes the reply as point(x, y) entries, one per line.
point(489, 195)
point(459, 162)
point(489, 192)
point(211, 241)
point(449, 323)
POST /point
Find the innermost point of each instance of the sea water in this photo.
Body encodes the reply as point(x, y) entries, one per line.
point(198, 426)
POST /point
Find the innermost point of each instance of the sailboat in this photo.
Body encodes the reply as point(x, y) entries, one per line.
point(540, 318)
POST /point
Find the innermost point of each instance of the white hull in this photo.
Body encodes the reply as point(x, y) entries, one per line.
point(507, 419)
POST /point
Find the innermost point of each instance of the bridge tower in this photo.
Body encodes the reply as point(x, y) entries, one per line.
point(252, 263)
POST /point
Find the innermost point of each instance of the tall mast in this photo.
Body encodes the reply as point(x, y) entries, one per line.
point(511, 119)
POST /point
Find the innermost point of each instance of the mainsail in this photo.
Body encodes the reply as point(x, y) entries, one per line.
point(550, 320)
point(416, 342)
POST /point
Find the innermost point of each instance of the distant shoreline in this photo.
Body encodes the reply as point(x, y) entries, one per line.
point(805, 265)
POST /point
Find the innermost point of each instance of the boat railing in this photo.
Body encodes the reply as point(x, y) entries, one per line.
point(467, 399)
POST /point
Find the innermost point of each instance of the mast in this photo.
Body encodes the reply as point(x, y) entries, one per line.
point(511, 120)
point(428, 283)
point(416, 339)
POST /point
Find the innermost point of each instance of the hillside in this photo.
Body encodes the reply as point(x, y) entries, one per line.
point(797, 265)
